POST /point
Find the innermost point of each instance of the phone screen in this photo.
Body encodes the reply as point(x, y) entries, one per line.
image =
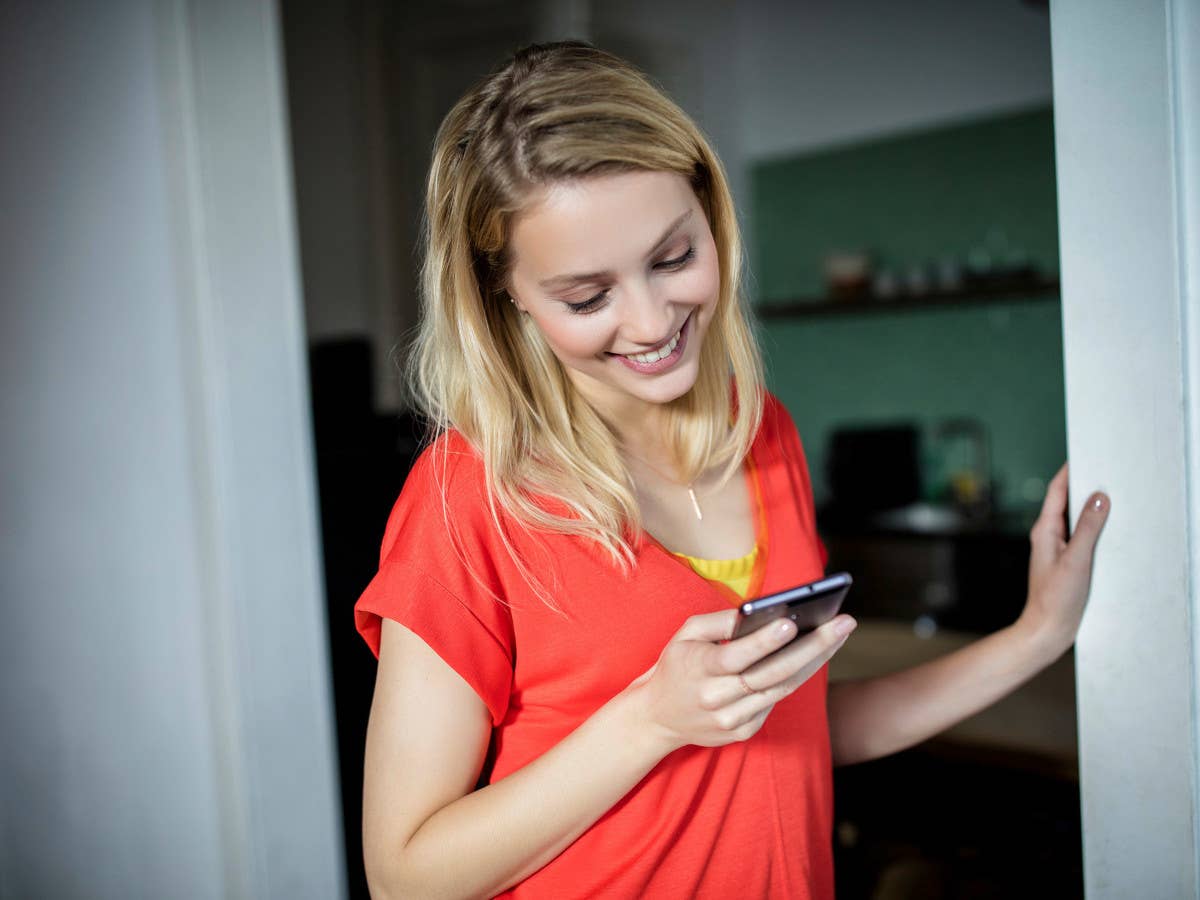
point(808, 605)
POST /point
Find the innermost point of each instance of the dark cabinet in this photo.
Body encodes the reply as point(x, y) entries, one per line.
point(972, 581)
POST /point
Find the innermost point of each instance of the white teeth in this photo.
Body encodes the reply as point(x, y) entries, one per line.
point(654, 356)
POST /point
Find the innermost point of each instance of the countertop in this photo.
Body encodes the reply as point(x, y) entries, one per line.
point(928, 520)
point(1034, 727)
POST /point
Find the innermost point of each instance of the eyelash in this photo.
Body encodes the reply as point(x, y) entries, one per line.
point(670, 265)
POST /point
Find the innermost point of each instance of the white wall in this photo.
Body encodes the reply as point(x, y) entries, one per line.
point(1128, 144)
point(108, 775)
point(163, 686)
point(690, 49)
point(775, 77)
point(825, 72)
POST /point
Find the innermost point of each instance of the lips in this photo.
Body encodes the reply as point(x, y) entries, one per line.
point(651, 356)
point(658, 358)
point(658, 351)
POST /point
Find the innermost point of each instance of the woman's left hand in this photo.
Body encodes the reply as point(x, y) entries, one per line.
point(1060, 570)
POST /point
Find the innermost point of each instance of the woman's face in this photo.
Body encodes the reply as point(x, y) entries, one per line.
point(620, 275)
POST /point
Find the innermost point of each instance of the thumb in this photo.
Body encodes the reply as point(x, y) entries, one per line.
point(1088, 528)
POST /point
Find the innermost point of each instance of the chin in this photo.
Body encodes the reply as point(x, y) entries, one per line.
point(668, 388)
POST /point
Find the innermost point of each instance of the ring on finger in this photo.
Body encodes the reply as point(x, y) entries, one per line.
point(745, 687)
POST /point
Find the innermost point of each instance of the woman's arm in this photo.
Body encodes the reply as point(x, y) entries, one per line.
point(877, 716)
point(427, 832)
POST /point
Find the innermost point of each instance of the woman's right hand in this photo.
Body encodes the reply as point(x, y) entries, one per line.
point(710, 691)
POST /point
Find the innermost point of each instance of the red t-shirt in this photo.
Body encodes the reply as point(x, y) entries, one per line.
point(751, 819)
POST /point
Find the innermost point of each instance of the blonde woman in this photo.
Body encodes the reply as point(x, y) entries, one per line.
point(558, 710)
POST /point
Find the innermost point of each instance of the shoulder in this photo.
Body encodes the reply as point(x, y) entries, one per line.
point(774, 411)
point(449, 466)
point(777, 433)
point(444, 570)
point(779, 444)
point(446, 484)
point(448, 523)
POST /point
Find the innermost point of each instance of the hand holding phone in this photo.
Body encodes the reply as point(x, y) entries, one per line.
point(808, 605)
point(708, 689)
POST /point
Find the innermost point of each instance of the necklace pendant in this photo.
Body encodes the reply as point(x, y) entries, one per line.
point(695, 503)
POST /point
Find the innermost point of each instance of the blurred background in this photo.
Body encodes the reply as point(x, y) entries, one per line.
point(181, 666)
point(894, 172)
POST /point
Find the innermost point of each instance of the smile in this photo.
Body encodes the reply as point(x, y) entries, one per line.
point(655, 355)
point(662, 357)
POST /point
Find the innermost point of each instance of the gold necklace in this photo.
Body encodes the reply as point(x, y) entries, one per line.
point(690, 486)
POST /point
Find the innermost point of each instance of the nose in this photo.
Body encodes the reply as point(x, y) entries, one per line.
point(648, 315)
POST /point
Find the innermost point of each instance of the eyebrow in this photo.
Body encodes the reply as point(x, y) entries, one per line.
point(560, 282)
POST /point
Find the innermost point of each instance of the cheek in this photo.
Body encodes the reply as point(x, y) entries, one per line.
point(705, 282)
point(569, 338)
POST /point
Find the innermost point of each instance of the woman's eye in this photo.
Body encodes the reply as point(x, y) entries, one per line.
point(679, 261)
point(589, 305)
point(594, 303)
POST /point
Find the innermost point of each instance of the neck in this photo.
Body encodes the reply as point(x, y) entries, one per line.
point(638, 424)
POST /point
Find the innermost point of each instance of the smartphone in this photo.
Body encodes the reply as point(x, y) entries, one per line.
point(809, 605)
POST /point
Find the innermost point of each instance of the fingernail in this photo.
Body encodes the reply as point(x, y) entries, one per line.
point(1099, 502)
point(844, 626)
point(786, 628)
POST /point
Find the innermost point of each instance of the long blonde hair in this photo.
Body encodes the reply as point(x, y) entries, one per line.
point(557, 112)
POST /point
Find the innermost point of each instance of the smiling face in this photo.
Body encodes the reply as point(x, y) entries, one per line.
point(620, 274)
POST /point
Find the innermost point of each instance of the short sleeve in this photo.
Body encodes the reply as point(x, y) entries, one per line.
point(442, 573)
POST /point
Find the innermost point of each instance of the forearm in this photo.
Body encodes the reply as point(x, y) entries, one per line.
point(494, 837)
point(878, 716)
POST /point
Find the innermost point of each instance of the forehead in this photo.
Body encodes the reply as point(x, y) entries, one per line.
point(592, 224)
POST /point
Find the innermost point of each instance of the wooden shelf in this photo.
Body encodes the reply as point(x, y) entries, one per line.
point(824, 306)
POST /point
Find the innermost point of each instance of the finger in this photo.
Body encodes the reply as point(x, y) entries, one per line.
point(746, 707)
point(734, 656)
point(742, 719)
point(803, 657)
point(747, 710)
point(708, 627)
point(1056, 491)
point(1088, 528)
point(1048, 536)
point(1052, 519)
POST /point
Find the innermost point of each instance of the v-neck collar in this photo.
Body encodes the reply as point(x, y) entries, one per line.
point(761, 540)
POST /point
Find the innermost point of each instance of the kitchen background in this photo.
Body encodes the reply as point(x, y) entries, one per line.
point(963, 214)
point(894, 171)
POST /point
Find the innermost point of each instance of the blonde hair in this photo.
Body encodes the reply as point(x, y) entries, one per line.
point(558, 112)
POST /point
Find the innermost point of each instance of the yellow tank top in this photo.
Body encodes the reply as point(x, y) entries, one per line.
point(733, 573)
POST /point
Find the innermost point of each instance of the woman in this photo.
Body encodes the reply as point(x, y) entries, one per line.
point(558, 710)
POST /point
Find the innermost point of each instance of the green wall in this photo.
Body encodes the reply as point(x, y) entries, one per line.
point(910, 199)
point(1001, 364)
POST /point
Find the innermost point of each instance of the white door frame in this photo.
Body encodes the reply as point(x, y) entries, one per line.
point(1127, 125)
point(237, 265)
